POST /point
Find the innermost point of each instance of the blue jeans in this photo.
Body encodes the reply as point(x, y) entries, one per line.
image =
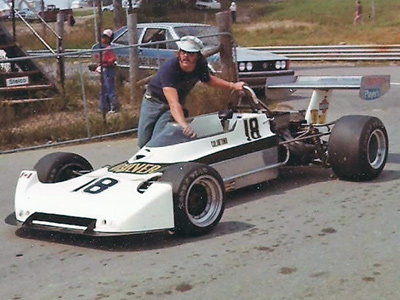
point(154, 115)
point(107, 98)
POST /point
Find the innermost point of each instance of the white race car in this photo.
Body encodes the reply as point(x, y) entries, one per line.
point(177, 183)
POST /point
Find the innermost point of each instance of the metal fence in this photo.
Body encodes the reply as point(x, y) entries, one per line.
point(313, 53)
point(67, 118)
point(337, 53)
point(74, 116)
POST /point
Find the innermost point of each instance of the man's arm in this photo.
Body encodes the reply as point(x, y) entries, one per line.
point(176, 110)
point(223, 84)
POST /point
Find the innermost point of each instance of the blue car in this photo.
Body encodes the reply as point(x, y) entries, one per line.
point(158, 42)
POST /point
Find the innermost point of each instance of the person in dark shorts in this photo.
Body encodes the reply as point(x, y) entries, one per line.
point(165, 95)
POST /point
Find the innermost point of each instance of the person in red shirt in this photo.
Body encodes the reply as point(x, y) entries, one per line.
point(108, 102)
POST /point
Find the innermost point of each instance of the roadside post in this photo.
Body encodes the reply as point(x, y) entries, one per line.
point(228, 67)
point(60, 49)
point(133, 58)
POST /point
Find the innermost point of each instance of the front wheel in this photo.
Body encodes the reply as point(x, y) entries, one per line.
point(61, 166)
point(358, 148)
point(199, 197)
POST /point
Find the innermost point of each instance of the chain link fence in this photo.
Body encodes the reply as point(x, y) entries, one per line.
point(72, 115)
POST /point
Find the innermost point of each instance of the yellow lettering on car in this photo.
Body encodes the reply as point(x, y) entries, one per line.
point(135, 168)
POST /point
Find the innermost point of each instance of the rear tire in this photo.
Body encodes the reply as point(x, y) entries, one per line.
point(358, 148)
point(61, 166)
point(199, 197)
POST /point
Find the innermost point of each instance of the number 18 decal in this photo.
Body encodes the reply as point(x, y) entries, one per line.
point(98, 186)
point(251, 129)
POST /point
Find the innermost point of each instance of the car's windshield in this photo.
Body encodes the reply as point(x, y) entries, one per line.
point(203, 126)
point(171, 135)
point(200, 31)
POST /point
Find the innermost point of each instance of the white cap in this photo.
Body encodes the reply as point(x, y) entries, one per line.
point(190, 44)
point(107, 32)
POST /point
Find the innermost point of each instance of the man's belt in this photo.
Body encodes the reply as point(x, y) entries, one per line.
point(154, 96)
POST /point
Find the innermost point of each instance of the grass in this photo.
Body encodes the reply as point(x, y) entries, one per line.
point(260, 22)
point(317, 22)
point(63, 118)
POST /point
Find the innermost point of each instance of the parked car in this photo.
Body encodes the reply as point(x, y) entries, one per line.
point(5, 14)
point(108, 7)
point(49, 14)
point(24, 11)
point(31, 16)
point(207, 4)
point(78, 4)
point(159, 41)
point(125, 5)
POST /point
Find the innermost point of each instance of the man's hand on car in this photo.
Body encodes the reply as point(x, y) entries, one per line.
point(188, 131)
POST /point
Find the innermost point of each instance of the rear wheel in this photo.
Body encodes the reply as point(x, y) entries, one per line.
point(61, 166)
point(199, 197)
point(358, 148)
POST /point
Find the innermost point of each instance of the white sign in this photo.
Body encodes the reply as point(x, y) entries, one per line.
point(17, 81)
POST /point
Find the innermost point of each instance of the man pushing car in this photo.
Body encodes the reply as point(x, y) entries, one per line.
point(165, 95)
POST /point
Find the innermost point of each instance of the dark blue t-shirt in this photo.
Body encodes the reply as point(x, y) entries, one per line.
point(171, 75)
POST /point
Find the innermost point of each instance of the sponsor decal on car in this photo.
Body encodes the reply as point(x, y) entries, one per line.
point(25, 174)
point(219, 142)
point(135, 168)
point(374, 86)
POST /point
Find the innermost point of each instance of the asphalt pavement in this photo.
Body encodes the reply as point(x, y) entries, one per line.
point(306, 235)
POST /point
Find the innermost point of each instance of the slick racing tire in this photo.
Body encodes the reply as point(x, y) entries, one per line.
point(61, 166)
point(199, 197)
point(358, 148)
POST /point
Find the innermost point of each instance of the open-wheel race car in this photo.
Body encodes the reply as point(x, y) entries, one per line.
point(179, 183)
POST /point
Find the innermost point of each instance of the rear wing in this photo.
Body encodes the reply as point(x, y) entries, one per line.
point(370, 87)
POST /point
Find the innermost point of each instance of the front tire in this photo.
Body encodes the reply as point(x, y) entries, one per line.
point(199, 197)
point(358, 148)
point(61, 166)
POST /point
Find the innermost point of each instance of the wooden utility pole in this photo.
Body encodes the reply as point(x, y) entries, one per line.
point(42, 9)
point(99, 30)
point(133, 58)
point(373, 11)
point(228, 67)
point(60, 49)
point(118, 14)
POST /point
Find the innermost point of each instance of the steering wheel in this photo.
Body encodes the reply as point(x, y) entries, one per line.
point(256, 105)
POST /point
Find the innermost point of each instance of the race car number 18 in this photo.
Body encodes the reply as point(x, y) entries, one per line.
point(251, 129)
point(98, 186)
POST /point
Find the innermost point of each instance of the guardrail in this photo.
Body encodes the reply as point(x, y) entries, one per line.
point(312, 53)
point(74, 53)
point(337, 53)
